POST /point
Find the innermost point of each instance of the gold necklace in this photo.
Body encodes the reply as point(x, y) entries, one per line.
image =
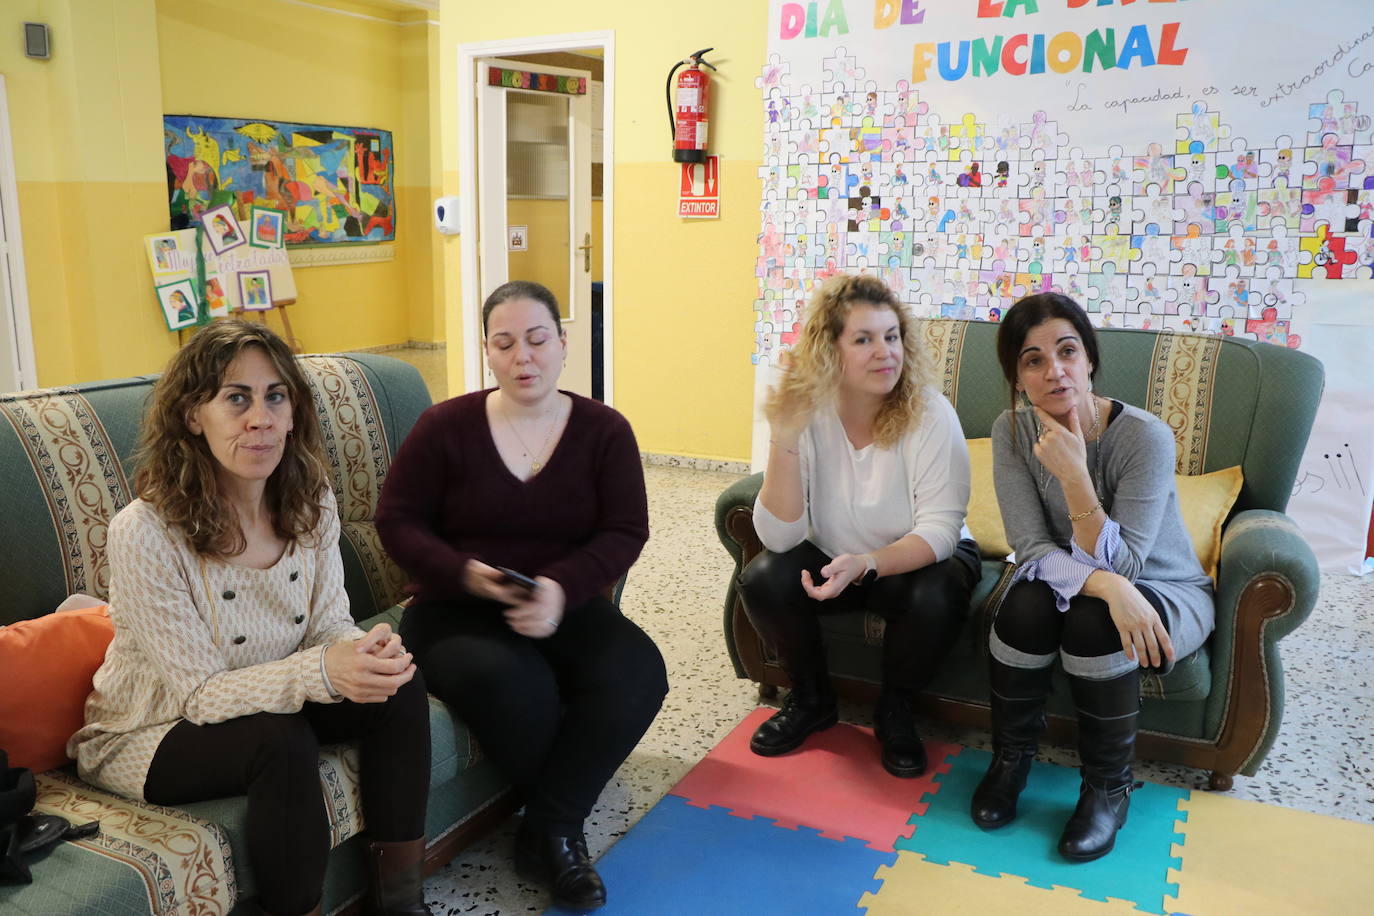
point(1097, 418)
point(536, 464)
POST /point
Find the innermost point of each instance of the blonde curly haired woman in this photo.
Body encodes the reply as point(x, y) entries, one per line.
point(862, 509)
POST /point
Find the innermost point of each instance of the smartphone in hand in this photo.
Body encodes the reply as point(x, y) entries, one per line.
point(516, 578)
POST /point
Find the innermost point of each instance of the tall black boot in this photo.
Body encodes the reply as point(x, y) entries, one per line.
point(1018, 718)
point(809, 707)
point(1107, 719)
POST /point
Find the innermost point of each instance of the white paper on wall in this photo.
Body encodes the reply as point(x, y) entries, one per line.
point(1332, 496)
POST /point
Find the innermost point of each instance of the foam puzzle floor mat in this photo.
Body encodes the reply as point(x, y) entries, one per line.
point(826, 830)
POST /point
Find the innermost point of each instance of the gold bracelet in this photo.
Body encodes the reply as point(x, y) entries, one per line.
point(1082, 515)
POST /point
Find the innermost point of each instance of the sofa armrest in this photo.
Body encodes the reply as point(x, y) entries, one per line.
point(735, 528)
point(1266, 587)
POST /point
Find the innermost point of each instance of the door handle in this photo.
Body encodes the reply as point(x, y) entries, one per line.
point(586, 249)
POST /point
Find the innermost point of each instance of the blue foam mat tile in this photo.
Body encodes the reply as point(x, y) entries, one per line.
point(681, 859)
point(1136, 870)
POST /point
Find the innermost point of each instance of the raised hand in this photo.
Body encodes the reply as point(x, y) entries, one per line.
point(788, 407)
point(1061, 448)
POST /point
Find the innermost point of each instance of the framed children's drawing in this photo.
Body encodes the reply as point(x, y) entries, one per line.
point(215, 299)
point(222, 230)
point(266, 227)
point(180, 305)
point(255, 290)
point(163, 255)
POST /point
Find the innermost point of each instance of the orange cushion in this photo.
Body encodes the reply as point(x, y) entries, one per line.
point(46, 668)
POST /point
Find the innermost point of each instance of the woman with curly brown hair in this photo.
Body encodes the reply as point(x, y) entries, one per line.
point(862, 508)
point(234, 655)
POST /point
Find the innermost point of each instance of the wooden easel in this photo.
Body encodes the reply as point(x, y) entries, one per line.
point(279, 306)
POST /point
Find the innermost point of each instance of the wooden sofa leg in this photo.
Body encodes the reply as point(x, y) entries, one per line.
point(1220, 782)
point(768, 691)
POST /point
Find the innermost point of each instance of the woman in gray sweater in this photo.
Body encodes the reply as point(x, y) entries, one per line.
point(1106, 576)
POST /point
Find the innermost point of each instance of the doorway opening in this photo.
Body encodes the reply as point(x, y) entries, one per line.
point(536, 160)
point(17, 368)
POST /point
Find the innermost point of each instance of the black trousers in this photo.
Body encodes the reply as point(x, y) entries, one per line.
point(924, 610)
point(557, 715)
point(274, 760)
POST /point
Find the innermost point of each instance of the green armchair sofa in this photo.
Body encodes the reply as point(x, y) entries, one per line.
point(66, 470)
point(1230, 402)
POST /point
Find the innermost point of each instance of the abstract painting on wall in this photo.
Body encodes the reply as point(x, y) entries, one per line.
point(332, 184)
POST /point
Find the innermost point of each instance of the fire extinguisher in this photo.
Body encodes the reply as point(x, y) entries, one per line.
point(689, 125)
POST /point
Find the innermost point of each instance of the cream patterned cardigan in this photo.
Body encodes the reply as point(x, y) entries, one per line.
point(204, 640)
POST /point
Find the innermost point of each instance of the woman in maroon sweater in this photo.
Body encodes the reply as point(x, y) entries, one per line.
point(556, 684)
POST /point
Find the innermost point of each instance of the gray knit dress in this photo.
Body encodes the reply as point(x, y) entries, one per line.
point(1134, 476)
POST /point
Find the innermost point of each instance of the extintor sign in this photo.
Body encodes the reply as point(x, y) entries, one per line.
point(699, 194)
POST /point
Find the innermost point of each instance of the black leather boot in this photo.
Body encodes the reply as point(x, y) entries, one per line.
point(560, 863)
point(809, 707)
point(394, 886)
point(1107, 717)
point(903, 753)
point(1018, 718)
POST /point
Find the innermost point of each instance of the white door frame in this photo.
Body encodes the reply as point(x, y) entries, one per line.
point(19, 288)
point(467, 189)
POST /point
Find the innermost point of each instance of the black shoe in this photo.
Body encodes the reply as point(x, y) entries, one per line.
point(994, 801)
point(561, 864)
point(1107, 713)
point(903, 753)
point(1018, 717)
point(809, 707)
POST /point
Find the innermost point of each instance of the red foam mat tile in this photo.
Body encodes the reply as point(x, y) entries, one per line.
point(835, 783)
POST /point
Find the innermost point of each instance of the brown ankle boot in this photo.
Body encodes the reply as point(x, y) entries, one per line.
point(394, 887)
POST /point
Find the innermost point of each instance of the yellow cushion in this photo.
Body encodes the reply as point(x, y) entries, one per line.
point(984, 516)
point(1205, 500)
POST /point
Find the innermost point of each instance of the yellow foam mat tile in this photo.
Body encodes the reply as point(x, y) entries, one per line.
point(1244, 857)
point(914, 886)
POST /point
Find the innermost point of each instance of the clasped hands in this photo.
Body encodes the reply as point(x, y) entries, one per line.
point(535, 614)
point(369, 669)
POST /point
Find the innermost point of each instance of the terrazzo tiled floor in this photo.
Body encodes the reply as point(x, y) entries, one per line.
point(1322, 761)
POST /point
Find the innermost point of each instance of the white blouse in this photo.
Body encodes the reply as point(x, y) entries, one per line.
point(859, 500)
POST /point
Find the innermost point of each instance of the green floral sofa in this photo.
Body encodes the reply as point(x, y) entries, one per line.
point(65, 466)
point(1230, 402)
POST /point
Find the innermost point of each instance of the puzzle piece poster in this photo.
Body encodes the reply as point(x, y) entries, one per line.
point(1171, 165)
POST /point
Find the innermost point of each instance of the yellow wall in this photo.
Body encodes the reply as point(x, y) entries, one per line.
point(89, 160)
point(86, 127)
point(683, 325)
